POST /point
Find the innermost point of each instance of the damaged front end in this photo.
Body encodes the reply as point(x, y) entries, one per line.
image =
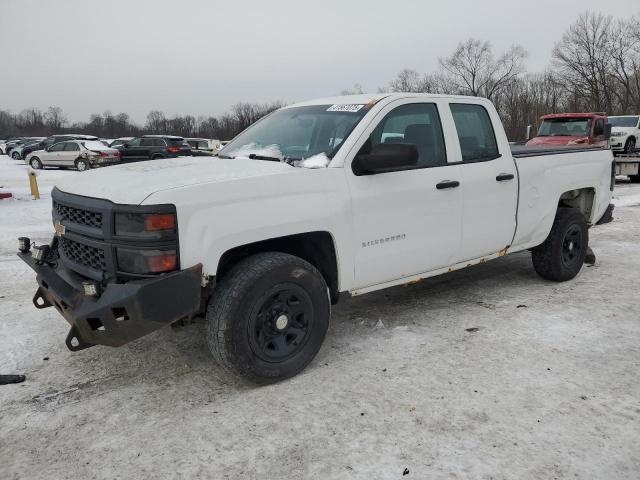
point(79, 275)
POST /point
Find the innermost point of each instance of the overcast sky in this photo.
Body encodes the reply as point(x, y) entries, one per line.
point(201, 56)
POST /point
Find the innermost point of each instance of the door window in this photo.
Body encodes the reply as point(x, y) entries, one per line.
point(71, 147)
point(598, 129)
point(417, 124)
point(58, 147)
point(149, 142)
point(135, 142)
point(475, 132)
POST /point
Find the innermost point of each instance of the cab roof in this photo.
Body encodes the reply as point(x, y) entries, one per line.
point(551, 116)
point(364, 99)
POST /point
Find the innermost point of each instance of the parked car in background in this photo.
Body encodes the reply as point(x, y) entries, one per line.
point(9, 146)
point(120, 141)
point(52, 140)
point(17, 152)
point(560, 129)
point(151, 147)
point(204, 146)
point(81, 154)
point(625, 132)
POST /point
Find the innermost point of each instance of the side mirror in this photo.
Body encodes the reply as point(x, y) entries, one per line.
point(386, 158)
point(607, 131)
point(125, 145)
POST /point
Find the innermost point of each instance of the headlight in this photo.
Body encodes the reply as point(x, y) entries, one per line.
point(145, 262)
point(152, 226)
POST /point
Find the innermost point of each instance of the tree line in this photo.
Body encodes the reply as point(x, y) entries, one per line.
point(34, 122)
point(595, 66)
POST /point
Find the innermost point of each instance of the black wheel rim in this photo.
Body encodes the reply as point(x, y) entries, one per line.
point(281, 324)
point(572, 246)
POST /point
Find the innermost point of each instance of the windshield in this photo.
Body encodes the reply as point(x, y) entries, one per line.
point(624, 121)
point(565, 127)
point(297, 134)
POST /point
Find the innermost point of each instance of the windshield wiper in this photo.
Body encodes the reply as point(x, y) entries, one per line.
point(255, 156)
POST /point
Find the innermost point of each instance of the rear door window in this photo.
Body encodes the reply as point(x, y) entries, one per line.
point(475, 132)
point(71, 147)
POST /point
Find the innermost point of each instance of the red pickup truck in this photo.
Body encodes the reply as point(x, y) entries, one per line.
point(559, 129)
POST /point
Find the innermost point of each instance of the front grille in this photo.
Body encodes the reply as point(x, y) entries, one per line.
point(78, 215)
point(82, 254)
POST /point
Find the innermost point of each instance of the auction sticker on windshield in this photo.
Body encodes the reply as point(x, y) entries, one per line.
point(344, 108)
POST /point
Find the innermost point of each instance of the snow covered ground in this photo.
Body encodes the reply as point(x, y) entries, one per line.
point(489, 372)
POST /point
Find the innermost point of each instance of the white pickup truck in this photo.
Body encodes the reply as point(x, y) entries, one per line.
point(351, 194)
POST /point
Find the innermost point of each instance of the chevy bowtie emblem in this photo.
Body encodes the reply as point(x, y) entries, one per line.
point(59, 229)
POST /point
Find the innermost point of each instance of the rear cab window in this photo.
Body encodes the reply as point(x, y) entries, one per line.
point(475, 132)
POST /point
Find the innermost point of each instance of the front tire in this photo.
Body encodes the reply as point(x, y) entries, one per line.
point(35, 163)
point(268, 317)
point(562, 254)
point(630, 146)
point(82, 165)
point(15, 155)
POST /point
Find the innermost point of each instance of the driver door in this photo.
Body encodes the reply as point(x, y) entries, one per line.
point(52, 156)
point(406, 222)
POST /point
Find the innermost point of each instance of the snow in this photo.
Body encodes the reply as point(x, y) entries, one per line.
point(319, 160)
point(253, 149)
point(96, 145)
point(20, 215)
point(316, 161)
point(547, 387)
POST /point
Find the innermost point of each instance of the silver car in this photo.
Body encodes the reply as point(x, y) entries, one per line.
point(81, 154)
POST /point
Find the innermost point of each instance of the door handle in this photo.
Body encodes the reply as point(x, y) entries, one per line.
point(447, 184)
point(504, 177)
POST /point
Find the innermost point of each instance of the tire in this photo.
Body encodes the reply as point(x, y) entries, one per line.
point(35, 163)
point(630, 146)
point(157, 156)
point(82, 165)
point(15, 155)
point(268, 317)
point(562, 254)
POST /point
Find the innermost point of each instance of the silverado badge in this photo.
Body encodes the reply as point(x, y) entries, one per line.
point(59, 229)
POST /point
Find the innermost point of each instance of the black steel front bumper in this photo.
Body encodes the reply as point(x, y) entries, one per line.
point(124, 311)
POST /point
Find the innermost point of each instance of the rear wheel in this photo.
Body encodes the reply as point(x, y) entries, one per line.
point(562, 254)
point(157, 156)
point(268, 317)
point(35, 163)
point(82, 165)
point(15, 155)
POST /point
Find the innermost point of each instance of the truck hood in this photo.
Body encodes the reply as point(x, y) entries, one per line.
point(553, 141)
point(625, 130)
point(131, 183)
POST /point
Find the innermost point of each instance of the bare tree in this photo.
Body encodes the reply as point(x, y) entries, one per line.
point(55, 119)
point(356, 89)
point(473, 69)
